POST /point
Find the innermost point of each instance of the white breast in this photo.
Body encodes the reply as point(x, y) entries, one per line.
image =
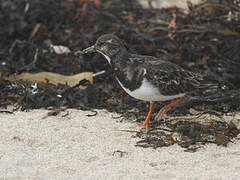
point(148, 92)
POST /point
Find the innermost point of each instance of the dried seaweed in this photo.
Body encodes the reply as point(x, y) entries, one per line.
point(189, 133)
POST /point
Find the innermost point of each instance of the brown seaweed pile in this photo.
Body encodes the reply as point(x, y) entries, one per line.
point(190, 132)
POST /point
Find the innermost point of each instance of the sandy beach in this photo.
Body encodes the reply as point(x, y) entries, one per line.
point(72, 145)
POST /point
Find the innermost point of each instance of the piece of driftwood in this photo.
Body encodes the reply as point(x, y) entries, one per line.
point(54, 78)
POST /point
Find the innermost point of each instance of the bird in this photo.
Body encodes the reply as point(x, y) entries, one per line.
point(147, 78)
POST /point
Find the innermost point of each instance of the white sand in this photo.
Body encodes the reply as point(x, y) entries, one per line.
point(81, 147)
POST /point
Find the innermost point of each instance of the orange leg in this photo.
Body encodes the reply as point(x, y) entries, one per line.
point(167, 107)
point(147, 120)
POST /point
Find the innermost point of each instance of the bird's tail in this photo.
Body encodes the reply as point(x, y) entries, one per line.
point(211, 85)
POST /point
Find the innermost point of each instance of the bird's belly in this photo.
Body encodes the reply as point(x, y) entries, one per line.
point(148, 92)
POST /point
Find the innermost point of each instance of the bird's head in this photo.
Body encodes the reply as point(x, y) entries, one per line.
point(108, 45)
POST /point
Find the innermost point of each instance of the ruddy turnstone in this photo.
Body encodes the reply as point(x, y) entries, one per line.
point(145, 77)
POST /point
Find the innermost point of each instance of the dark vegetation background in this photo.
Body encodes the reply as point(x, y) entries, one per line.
point(205, 40)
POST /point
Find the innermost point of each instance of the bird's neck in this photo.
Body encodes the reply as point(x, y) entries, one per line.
point(126, 71)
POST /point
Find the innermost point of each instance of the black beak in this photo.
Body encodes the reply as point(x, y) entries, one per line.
point(90, 49)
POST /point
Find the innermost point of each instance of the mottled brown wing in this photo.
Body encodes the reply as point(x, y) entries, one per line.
point(171, 79)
